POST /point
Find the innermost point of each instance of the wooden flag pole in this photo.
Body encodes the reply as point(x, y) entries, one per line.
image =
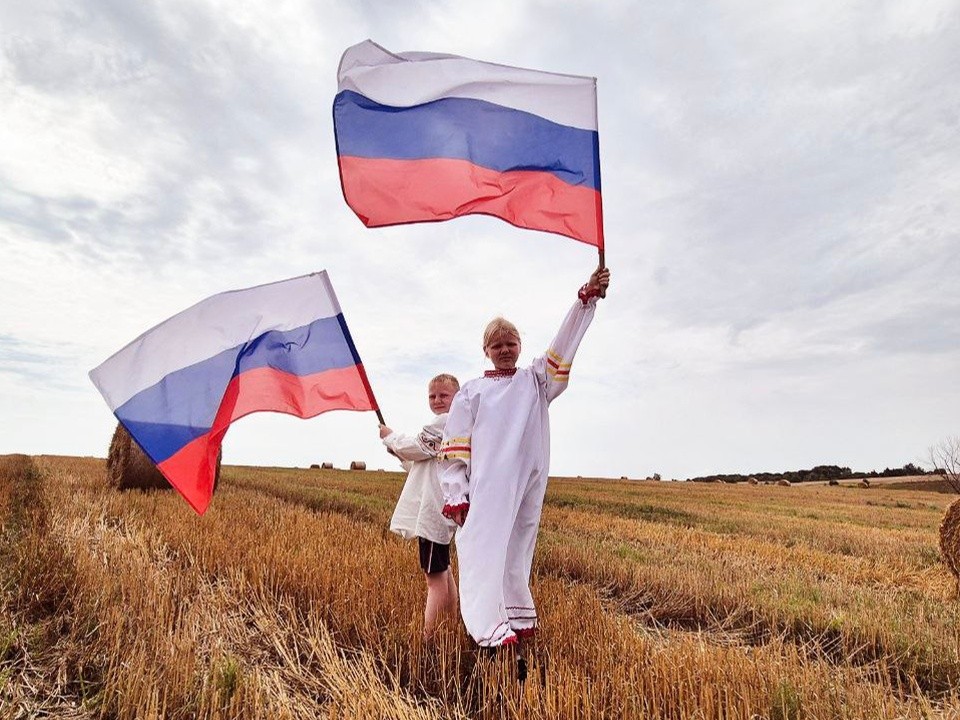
point(603, 291)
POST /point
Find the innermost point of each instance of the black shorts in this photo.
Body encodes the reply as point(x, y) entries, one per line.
point(434, 557)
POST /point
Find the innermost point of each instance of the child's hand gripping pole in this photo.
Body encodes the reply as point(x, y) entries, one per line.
point(597, 285)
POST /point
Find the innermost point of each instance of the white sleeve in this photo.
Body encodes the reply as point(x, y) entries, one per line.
point(454, 456)
point(423, 446)
point(553, 367)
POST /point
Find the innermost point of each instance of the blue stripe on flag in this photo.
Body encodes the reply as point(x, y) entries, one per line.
point(182, 406)
point(486, 134)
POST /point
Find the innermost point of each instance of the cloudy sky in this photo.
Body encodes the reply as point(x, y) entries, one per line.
point(781, 187)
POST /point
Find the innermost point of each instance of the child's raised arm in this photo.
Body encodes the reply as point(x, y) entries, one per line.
point(554, 366)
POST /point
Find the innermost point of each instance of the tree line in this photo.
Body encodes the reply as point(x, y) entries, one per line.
point(820, 473)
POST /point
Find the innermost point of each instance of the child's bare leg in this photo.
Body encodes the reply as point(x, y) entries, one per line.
point(452, 594)
point(440, 600)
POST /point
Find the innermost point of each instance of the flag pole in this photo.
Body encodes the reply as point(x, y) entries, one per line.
point(603, 291)
point(366, 381)
point(353, 348)
point(600, 244)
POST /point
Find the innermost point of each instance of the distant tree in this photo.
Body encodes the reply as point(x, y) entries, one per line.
point(826, 472)
point(945, 456)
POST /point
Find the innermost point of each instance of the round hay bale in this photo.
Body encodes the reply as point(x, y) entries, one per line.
point(314, 467)
point(129, 468)
point(784, 483)
point(15, 465)
point(950, 539)
point(864, 483)
point(358, 465)
point(753, 481)
point(833, 481)
point(326, 466)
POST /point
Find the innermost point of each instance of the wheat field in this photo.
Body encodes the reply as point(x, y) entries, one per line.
point(290, 599)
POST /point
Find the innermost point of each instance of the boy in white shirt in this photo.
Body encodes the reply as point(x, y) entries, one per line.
point(418, 512)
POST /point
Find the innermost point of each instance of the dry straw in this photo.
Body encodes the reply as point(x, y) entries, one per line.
point(262, 611)
point(129, 468)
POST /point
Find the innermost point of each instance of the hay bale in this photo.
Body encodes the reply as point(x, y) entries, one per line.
point(315, 467)
point(129, 467)
point(753, 481)
point(327, 466)
point(784, 483)
point(950, 539)
point(833, 481)
point(358, 465)
point(864, 483)
point(16, 465)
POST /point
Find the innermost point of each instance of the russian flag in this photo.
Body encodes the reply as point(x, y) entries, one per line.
point(426, 137)
point(282, 347)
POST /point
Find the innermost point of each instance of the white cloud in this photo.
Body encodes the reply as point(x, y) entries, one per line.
point(779, 197)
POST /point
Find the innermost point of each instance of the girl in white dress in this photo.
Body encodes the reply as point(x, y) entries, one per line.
point(494, 462)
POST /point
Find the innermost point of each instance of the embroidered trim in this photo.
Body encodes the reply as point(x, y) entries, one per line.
point(429, 441)
point(455, 448)
point(557, 369)
point(499, 373)
point(525, 633)
point(450, 510)
point(489, 640)
point(587, 292)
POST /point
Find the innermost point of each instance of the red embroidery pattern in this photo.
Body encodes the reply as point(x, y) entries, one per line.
point(587, 292)
point(499, 373)
point(450, 510)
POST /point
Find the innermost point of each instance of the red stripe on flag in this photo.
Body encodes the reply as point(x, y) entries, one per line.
point(392, 192)
point(273, 390)
point(191, 470)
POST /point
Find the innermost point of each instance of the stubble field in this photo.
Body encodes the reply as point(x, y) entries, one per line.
point(290, 599)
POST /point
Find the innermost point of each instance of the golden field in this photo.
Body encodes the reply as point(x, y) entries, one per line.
point(290, 599)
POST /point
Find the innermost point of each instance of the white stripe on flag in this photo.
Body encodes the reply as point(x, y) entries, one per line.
point(414, 78)
point(208, 328)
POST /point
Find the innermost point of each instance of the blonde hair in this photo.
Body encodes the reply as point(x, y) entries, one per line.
point(499, 325)
point(445, 378)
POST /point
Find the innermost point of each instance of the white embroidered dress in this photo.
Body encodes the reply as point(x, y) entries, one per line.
point(496, 456)
point(418, 511)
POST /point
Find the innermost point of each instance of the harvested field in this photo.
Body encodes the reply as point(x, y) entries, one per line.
point(290, 599)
